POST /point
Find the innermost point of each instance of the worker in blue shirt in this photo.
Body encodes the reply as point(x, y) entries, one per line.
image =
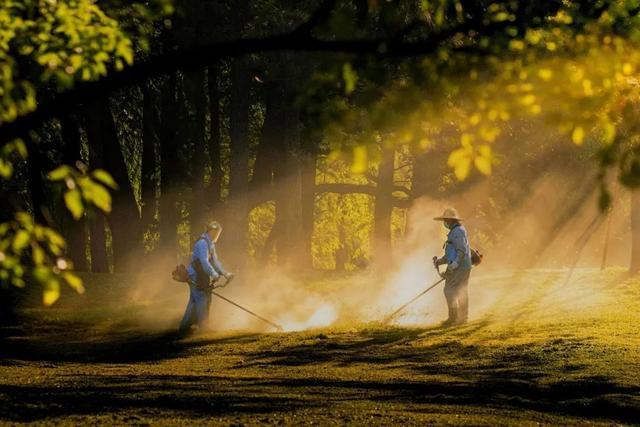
point(204, 268)
point(457, 258)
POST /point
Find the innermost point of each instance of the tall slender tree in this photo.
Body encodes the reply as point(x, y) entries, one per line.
point(169, 167)
point(150, 142)
point(97, 235)
point(383, 202)
point(196, 102)
point(287, 171)
point(74, 231)
point(238, 203)
point(124, 220)
point(214, 189)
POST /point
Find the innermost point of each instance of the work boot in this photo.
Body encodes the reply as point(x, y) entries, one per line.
point(460, 322)
point(447, 323)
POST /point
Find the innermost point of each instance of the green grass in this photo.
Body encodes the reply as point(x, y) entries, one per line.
point(536, 351)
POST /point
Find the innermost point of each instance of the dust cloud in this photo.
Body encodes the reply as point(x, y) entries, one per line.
point(543, 232)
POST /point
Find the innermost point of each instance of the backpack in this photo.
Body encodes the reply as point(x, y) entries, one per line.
point(180, 274)
point(476, 257)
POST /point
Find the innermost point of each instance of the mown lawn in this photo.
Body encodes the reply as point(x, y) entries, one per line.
point(540, 352)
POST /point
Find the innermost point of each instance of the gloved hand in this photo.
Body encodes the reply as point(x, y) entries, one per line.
point(229, 276)
point(214, 279)
point(435, 261)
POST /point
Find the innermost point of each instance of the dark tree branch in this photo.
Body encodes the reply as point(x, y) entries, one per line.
point(197, 56)
point(342, 188)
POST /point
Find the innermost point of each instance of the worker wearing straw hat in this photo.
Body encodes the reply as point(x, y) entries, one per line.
point(204, 267)
point(457, 257)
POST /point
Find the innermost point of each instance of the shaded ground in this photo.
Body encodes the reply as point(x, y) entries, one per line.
point(538, 354)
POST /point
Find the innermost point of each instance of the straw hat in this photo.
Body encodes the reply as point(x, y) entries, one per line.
point(213, 225)
point(449, 213)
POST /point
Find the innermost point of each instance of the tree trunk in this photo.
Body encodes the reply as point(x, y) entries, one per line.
point(214, 190)
point(74, 231)
point(288, 178)
point(124, 219)
point(35, 168)
point(238, 208)
point(383, 204)
point(309, 158)
point(635, 232)
point(97, 238)
point(269, 146)
point(194, 82)
point(148, 178)
point(169, 168)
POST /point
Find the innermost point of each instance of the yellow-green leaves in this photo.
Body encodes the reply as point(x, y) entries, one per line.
point(60, 173)
point(350, 78)
point(95, 193)
point(104, 177)
point(6, 168)
point(360, 159)
point(73, 202)
point(32, 253)
point(577, 136)
point(73, 281)
point(461, 159)
point(545, 74)
point(51, 292)
point(608, 132)
point(9, 153)
point(484, 159)
point(67, 41)
point(84, 189)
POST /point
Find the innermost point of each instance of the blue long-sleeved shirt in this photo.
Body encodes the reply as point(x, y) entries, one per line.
point(205, 251)
point(457, 247)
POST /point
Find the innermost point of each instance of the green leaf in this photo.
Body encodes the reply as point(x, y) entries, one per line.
point(462, 168)
point(609, 133)
point(59, 173)
point(360, 161)
point(105, 178)
point(6, 169)
point(38, 255)
point(21, 148)
point(55, 238)
point(51, 292)
point(578, 135)
point(457, 156)
point(460, 161)
point(483, 164)
point(101, 197)
point(350, 78)
point(74, 281)
point(73, 201)
point(20, 241)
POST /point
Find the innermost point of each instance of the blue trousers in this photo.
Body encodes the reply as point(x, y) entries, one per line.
point(197, 308)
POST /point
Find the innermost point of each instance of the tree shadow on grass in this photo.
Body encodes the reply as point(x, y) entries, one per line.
point(156, 396)
point(378, 346)
point(122, 347)
point(590, 397)
point(452, 372)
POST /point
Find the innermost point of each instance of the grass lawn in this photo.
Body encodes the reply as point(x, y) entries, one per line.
point(539, 352)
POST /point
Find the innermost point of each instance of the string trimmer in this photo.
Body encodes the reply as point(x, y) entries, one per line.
point(392, 315)
point(227, 281)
